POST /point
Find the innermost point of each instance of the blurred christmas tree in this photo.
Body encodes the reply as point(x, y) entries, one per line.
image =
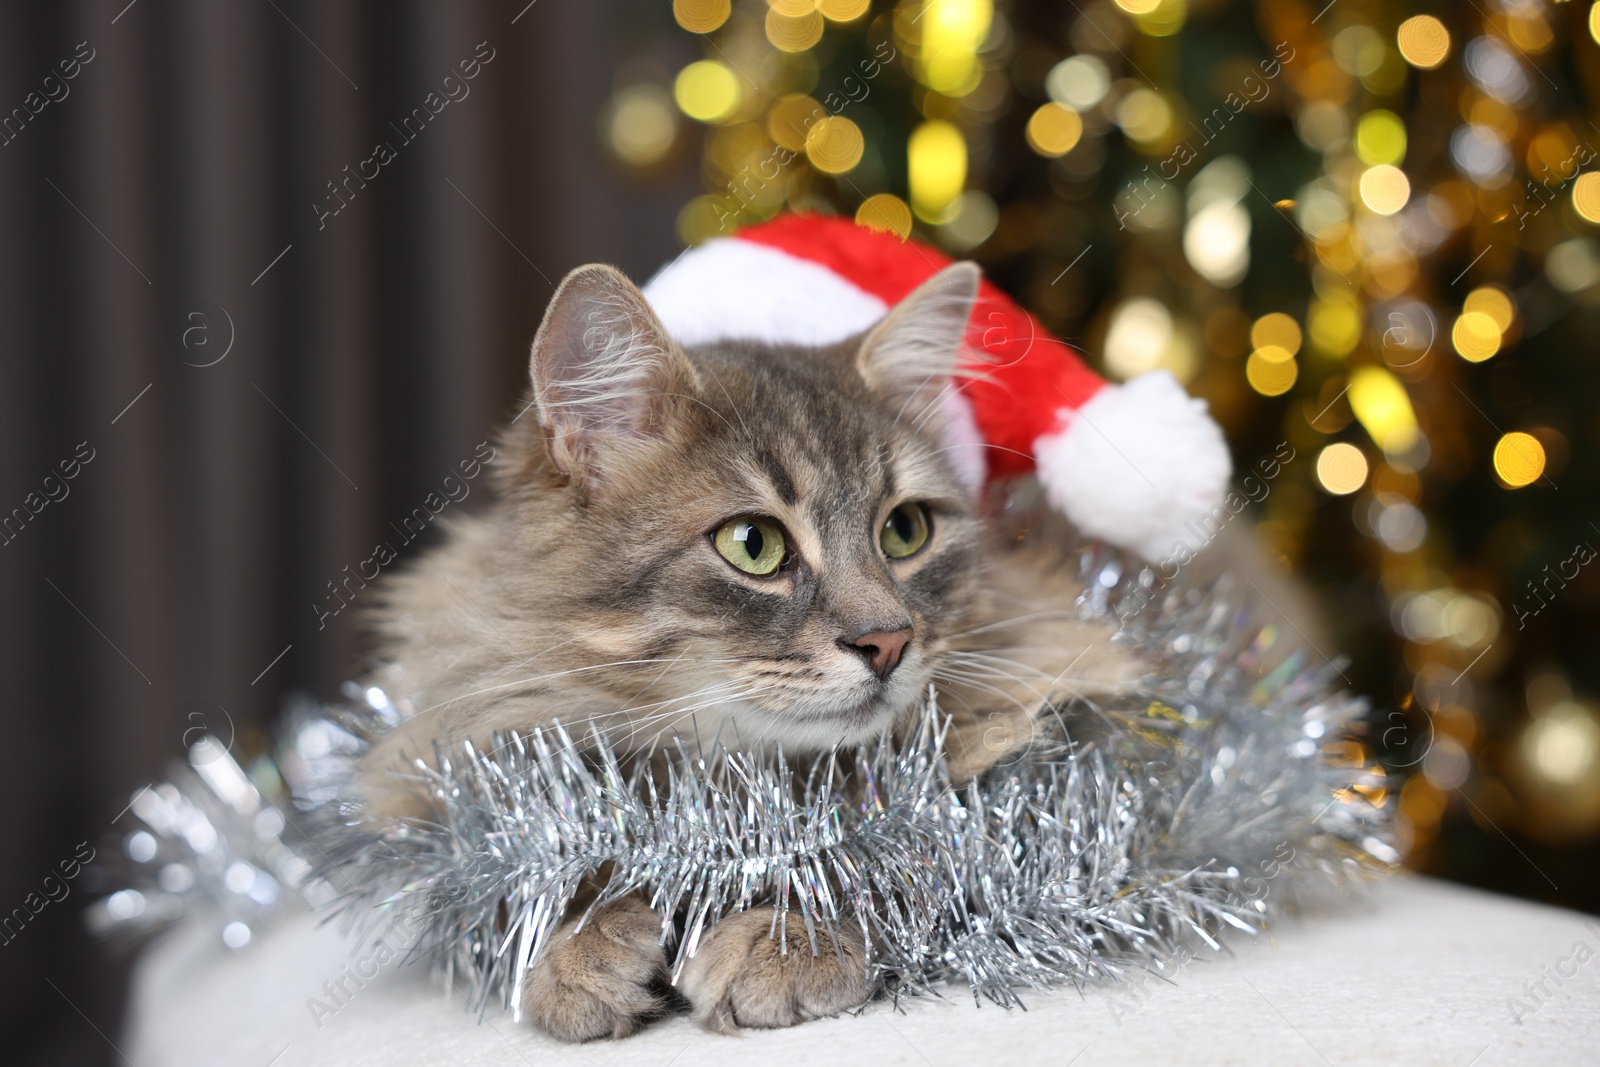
point(1364, 228)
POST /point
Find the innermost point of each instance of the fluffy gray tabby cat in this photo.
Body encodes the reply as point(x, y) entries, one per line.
point(737, 541)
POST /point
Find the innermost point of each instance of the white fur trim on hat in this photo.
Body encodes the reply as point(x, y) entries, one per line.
point(1136, 464)
point(728, 288)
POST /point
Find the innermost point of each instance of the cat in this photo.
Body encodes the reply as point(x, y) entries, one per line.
point(735, 542)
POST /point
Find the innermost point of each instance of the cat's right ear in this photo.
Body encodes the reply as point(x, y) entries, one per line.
point(915, 348)
point(601, 366)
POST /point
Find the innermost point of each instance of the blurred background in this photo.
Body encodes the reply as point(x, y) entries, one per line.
point(268, 270)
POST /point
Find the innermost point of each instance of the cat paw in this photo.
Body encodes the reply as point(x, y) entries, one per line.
point(741, 977)
point(603, 981)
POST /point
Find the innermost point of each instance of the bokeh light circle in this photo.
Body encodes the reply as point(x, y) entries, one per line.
point(707, 91)
point(701, 16)
point(1476, 336)
point(1423, 41)
point(1519, 459)
point(1269, 376)
point(885, 212)
point(1341, 468)
point(1493, 302)
point(834, 144)
point(1054, 130)
point(1277, 329)
point(794, 33)
point(1385, 188)
point(1586, 196)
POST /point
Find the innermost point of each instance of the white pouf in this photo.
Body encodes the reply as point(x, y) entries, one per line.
point(1424, 973)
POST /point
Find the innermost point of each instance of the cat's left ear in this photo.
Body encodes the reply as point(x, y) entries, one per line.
point(915, 348)
point(602, 365)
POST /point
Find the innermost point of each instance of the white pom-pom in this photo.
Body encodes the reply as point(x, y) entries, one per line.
point(1140, 465)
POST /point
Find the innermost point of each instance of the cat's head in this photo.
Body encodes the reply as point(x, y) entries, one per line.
point(775, 535)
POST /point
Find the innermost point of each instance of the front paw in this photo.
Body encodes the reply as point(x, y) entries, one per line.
point(742, 977)
point(602, 981)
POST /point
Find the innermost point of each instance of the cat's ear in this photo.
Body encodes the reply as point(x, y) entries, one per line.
point(601, 366)
point(915, 347)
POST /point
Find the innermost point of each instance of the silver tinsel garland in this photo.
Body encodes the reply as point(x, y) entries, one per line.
point(1120, 836)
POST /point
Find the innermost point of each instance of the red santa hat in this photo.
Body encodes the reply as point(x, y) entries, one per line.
point(1130, 463)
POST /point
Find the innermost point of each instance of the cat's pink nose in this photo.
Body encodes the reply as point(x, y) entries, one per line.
point(882, 649)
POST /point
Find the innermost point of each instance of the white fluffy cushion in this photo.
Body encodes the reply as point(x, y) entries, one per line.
point(1423, 973)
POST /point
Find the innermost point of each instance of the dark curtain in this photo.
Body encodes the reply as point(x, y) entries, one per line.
point(247, 387)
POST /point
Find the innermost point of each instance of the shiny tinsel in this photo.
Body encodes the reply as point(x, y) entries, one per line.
point(1120, 836)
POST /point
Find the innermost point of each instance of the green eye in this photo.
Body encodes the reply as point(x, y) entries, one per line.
point(905, 531)
point(753, 544)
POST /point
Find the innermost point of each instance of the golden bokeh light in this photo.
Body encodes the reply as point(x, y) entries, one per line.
point(1552, 147)
point(1518, 459)
point(1165, 18)
point(1380, 138)
point(1276, 329)
point(1385, 188)
point(936, 169)
point(1341, 468)
point(1529, 32)
point(791, 33)
point(1335, 326)
point(1054, 130)
point(952, 31)
point(1144, 115)
point(1272, 354)
point(1476, 336)
point(1586, 195)
point(641, 126)
point(1383, 408)
point(1594, 22)
point(1563, 744)
point(701, 16)
point(1216, 242)
point(1138, 7)
point(793, 8)
point(834, 144)
point(1423, 41)
point(1139, 337)
point(885, 212)
point(791, 116)
point(707, 91)
point(1270, 376)
point(1494, 302)
point(732, 147)
point(843, 10)
point(700, 219)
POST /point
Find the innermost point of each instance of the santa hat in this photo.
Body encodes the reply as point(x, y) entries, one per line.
point(1130, 463)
